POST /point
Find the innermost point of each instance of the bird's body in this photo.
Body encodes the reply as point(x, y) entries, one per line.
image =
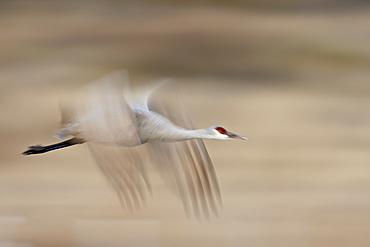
point(116, 124)
point(153, 127)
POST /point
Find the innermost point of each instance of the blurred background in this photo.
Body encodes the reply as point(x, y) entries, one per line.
point(293, 76)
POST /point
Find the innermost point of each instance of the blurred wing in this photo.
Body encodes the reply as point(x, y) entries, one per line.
point(141, 94)
point(185, 166)
point(110, 119)
point(106, 117)
point(125, 170)
point(107, 122)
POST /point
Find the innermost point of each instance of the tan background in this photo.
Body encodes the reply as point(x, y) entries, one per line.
point(292, 78)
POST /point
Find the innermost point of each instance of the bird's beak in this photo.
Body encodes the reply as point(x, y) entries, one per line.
point(235, 136)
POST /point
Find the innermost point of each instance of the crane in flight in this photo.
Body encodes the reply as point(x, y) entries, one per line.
point(126, 130)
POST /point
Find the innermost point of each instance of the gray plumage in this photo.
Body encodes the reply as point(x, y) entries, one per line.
point(115, 121)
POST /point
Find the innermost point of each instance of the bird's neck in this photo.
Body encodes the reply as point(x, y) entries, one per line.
point(183, 135)
point(196, 134)
point(176, 134)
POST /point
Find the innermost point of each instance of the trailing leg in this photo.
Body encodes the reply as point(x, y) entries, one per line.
point(43, 149)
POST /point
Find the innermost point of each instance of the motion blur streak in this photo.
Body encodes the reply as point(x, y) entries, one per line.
point(291, 75)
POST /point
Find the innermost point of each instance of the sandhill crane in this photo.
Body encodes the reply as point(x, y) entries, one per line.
point(124, 127)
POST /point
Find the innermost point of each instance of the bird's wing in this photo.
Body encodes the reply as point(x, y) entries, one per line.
point(106, 117)
point(124, 168)
point(186, 165)
point(141, 95)
point(107, 122)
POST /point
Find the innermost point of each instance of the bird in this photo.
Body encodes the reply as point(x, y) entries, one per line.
point(127, 129)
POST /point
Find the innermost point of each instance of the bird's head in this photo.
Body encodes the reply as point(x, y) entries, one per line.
point(222, 134)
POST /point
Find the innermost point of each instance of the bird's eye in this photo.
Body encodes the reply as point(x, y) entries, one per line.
point(221, 130)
